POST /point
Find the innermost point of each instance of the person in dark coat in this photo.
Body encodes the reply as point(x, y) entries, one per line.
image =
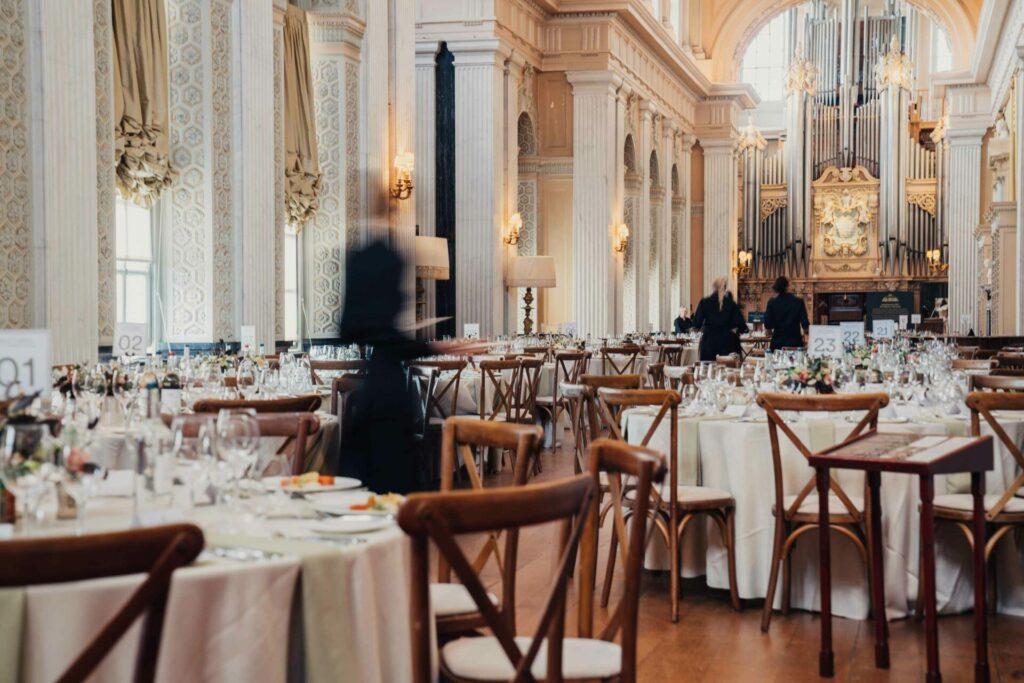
point(684, 323)
point(720, 321)
point(786, 317)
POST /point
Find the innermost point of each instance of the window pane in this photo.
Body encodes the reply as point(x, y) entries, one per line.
point(136, 298)
point(120, 296)
point(291, 286)
point(766, 59)
point(120, 229)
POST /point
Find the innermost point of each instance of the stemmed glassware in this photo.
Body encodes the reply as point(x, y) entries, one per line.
point(238, 436)
point(25, 468)
point(80, 480)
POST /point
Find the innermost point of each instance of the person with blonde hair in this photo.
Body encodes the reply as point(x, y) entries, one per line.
point(720, 321)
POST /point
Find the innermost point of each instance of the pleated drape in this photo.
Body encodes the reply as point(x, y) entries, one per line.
point(302, 167)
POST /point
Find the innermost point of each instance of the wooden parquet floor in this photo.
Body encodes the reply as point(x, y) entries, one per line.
point(712, 642)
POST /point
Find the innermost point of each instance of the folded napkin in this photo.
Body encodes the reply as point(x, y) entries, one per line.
point(119, 483)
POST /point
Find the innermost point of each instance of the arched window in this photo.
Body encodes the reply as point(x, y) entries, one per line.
point(629, 155)
point(527, 140)
point(766, 59)
point(942, 51)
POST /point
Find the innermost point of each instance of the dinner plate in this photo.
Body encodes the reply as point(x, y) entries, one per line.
point(340, 484)
point(341, 502)
point(351, 524)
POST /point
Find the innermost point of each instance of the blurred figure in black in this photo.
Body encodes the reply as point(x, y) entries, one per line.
point(786, 317)
point(684, 323)
point(720, 321)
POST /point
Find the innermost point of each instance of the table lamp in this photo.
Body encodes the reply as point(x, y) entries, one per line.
point(530, 272)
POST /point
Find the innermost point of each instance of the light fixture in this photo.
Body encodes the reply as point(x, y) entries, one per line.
point(515, 224)
point(621, 238)
point(529, 272)
point(431, 258)
point(935, 263)
point(743, 260)
point(403, 171)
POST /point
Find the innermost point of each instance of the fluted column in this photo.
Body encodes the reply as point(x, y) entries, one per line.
point(1018, 260)
point(479, 170)
point(255, 168)
point(376, 164)
point(403, 114)
point(426, 159)
point(963, 218)
point(685, 249)
point(619, 210)
point(664, 252)
point(65, 147)
point(720, 200)
point(642, 234)
point(280, 224)
point(593, 199)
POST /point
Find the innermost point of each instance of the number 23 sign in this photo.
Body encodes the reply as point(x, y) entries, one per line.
point(24, 362)
point(825, 341)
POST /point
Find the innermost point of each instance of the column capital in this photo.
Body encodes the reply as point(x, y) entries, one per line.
point(648, 109)
point(718, 146)
point(482, 52)
point(426, 52)
point(594, 81)
point(330, 32)
point(687, 141)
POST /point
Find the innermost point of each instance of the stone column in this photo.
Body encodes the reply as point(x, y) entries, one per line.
point(377, 159)
point(685, 249)
point(403, 122)
point(667, 155)
point(479, 183)
point(1018, 260)
point(512, 72)
point(426, 138)
point(642, 233)
point(64, 192)
point(964, 208)
point(255, 169)
point(720, 205)
point(593, 199)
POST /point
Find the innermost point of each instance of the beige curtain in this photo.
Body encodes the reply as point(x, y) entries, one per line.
point(142, 133)
point(302, 168)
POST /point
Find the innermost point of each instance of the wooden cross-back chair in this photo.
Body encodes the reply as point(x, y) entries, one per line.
point(158, 552)
point(577, 399)
point(967, 352)
point(728, 361)
point(656, 375)
point(296, 428)
point(442, 517)
point(797, 514)
point(569, 365)
point(355, 367)
point(616, 460)
point(997, 382)
point(674, 505)
point(542, 352)
point(437, 385)
point(619, 360)
point(461, 436)
point(341, 388)
point(524, 399)
point(973, 364)
point(499, 380)
point(307, 403)
point(1010, 360)
point(670, 353)
point(1004, 512)
point(1006, 372)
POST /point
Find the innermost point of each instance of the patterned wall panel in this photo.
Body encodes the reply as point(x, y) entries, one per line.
point(279, 213)
point(352, 193)
point(654, 264)
point(526, 205)
point(629, 269)
point(325, 236)
point(221, 137)
point(105, 169)
point(15, 169)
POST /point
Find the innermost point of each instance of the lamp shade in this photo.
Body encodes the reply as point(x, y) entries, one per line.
point(431, 258)
point(531, 271)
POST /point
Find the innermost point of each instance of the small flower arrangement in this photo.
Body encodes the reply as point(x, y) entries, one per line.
point(816, 374)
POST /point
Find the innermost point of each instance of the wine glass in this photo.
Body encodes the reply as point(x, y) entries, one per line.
point(80, 480)
point(245, 379)
point(238, 436)
point(25, 469)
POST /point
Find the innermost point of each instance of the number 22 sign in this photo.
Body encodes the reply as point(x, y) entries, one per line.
point(24, 362)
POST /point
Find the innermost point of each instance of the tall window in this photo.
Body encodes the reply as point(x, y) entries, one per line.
point(135, 264)
point(677, 24)
point(942, 51)
point(767, 58)
point(291, 284)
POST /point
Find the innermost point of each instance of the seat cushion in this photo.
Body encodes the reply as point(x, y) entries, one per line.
point(482, 659)
point(835, 506)
point(689, 495)
point(449, 599)
point(965, 502)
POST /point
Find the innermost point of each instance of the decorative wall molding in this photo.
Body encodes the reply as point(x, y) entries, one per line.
point(279, 179)
point(105, 170)
point(920, 192)
point(222, 135)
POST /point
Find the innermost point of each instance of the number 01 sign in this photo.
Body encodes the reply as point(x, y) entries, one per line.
point(24, 362)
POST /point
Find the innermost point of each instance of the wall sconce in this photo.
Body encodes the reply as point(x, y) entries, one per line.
point(515, 224)
point(621, 238)
point(935, 263)
point(403, 170)
point(743, 260)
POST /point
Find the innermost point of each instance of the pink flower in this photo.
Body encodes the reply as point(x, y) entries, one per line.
point(76, 459)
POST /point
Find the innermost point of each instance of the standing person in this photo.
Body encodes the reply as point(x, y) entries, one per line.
point(785, 316)
point(720, 321)
point(684, 323)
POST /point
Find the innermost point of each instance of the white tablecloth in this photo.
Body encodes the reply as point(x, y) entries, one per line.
point(736, 457)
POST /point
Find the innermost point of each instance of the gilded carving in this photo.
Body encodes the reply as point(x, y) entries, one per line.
point(844, 224)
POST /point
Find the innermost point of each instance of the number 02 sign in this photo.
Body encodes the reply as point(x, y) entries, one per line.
point(131, 339)
point(24, 362)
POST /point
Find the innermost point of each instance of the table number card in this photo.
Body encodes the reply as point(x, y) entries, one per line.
point(903, 321)
point(24, 362)
point(883, 329)
point(569, 329)
point(247, 338)
point(471, 330)
point(915, 319)
point(131, 339)
point(826, 341)
point(853, 333)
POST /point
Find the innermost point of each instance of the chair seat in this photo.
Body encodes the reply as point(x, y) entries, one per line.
point(961, 506)
point(483, 659)
point(450, 599)
point(693, 497)
point(835, 506)
point(546, 400)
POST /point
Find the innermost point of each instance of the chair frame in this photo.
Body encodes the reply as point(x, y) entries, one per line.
point(628, 366)
point(569, 365)
point(296, 427)
point(355, 367)
point(504, 392)
point(308, 403)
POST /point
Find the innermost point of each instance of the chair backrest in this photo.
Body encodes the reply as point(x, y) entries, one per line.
point(569, 366)
point(578, 400)
point(541, 352)
point(499, 380)
point(670, 353)
point(619, 360)
point(341, 387)
point(967, 352)
point(354, 367)
point(728, 361)
point(656, 375)
point(156, 551)
point(296, 428)
point(439, 382)
point(835, 403)
point(973, 364)
point(982, 404)
point(997, 382)
point(524, 399)
point(441, 517)
point(646, 468)
point(1010, 360)
point(307, 403)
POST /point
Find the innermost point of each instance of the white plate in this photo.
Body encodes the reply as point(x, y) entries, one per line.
point(340, 484)
point(351, 524)
point(341, 502)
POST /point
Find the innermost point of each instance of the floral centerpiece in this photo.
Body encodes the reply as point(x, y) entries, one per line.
point(815, 374)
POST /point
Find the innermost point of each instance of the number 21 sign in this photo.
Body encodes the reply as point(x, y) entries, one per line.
point(24, 362)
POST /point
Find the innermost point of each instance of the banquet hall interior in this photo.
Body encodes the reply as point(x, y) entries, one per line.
point(511, 340)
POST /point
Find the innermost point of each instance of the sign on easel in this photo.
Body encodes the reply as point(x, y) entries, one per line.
point(131, 339)
point(471, 330)
point(247, 338)
point(883, 329)
point(24, 362)
point(825, 341)
point(853, 333)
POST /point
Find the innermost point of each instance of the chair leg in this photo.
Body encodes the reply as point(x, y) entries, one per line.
point(730, 553)
point(674, 551)
point(773, 578)
point(609, 572)
point(787, 572)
